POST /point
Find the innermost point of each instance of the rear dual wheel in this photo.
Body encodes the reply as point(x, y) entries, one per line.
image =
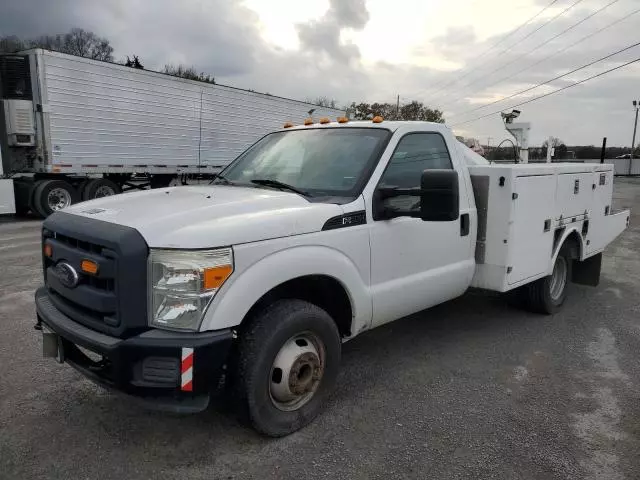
point(49, 196)
point(547, 294)
point(99, 188)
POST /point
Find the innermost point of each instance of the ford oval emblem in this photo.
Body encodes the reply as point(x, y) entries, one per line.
point(67, 275)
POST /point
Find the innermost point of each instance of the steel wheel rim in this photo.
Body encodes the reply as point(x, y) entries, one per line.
point(558, 278)
point(297, 372)
point(104, 191)
point(58, 198)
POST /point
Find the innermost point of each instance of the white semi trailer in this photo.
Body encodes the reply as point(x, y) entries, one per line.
point(75, 129)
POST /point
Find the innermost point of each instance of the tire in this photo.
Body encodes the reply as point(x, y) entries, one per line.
point(160, 180)
point(34, 206)
point(546, 295)
point(276, 338)
point(53, 195)
point(99, 188)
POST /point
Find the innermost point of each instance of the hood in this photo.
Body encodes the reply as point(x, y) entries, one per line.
point(209, 216)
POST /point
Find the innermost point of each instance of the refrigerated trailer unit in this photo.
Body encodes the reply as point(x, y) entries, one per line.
point(73, 129)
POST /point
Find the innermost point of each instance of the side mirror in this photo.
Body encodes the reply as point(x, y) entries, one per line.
point(439, 196)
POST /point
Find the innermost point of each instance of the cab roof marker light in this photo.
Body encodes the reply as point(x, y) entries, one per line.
point(308, 121)
point(325, 120)
point(288, 125)
point(377, 119)
point(342, 119)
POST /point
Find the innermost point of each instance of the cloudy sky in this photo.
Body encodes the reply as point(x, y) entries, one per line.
point(456, 55)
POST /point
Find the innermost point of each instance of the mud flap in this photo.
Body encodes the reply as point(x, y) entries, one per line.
point(587, 272)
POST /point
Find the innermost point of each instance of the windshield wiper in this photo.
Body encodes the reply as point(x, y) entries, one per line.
point(267, 182)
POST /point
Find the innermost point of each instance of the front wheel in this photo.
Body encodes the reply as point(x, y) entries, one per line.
point(288, 361)
point(547, 294)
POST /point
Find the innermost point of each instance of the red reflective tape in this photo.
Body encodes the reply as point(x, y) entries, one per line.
point(187, 363)
point(186, 370)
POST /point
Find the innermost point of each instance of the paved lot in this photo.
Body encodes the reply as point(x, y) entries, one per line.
point(470, 389)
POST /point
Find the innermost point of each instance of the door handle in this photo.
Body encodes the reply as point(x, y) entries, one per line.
point(464, 225)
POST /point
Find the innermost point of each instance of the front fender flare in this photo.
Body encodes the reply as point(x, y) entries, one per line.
point(234, 301)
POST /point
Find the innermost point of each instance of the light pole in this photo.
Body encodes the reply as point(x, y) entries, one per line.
point(636, 105)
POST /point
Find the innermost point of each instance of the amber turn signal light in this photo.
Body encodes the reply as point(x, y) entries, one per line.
point(215, 277)
point(89, 266)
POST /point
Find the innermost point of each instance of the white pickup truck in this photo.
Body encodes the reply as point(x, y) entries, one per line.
point(312, 236)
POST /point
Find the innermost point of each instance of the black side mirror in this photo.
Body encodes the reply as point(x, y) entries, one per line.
point(439, 196)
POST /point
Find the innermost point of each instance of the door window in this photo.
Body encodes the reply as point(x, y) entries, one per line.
point(415, 153)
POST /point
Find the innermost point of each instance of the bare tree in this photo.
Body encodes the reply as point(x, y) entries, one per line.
point(87, 44)
point(76, 42)
point(188, 72)
point(322, 102)
point(558, 145)
point(555, 142)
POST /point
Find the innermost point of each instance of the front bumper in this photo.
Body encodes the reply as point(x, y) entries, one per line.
point(171, 371)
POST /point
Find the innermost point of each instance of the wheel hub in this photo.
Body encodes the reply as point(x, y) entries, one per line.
point(296, 372)
point(104, 191)
point(58, 198)
point(304, 372)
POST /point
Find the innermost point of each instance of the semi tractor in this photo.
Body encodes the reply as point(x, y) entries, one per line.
point(75, 129)
point(312, 236)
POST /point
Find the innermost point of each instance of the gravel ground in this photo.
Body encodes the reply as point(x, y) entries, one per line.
point(470, 389)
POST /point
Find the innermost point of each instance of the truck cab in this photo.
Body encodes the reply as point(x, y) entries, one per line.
point(313, 235)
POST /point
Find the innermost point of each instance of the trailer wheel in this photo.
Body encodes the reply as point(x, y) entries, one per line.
point(547, 294)
point(98, 188)
point(52, 195)
point(161, 180)
point(287, 365)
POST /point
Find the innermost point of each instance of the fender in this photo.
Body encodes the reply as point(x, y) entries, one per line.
point(235, 300)
point(568, 231)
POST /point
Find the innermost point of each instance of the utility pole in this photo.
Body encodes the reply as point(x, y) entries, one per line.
point(398, 108)
point(636, 105)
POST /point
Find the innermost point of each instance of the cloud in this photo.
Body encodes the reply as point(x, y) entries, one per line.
point(425, 47)
point(216, 34)
point(323, 35)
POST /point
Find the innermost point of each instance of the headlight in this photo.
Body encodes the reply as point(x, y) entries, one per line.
point(183, 284)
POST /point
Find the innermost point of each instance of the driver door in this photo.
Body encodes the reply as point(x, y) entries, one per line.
point(416, 264)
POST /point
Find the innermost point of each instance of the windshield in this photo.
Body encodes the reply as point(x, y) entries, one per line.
point(319, 162)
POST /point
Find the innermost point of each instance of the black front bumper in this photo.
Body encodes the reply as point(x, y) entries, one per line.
point(147, 366)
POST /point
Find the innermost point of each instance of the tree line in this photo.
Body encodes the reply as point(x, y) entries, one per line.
point(87, 44)
point(413, 110)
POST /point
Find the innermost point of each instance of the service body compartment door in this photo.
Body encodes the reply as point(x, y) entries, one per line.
point(531, 235)
point(574, 194)
point(600, 234)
